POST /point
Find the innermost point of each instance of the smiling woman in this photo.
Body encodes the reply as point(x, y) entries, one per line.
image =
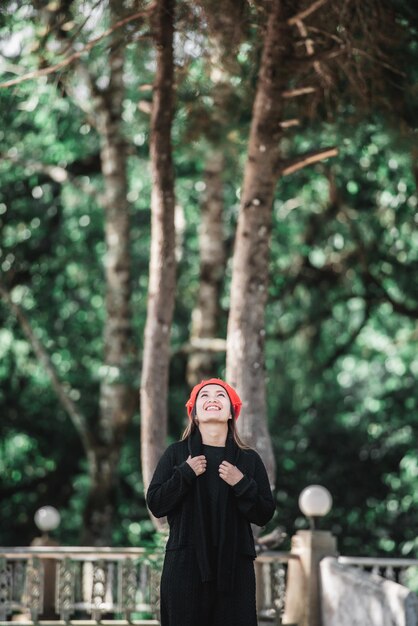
point(213, 405)
point(211, 487)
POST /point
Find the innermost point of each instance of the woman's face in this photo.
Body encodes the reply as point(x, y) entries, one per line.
point(213, 404)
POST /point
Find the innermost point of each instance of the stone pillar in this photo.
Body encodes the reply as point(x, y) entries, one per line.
point(50, 569)
point(303, 578)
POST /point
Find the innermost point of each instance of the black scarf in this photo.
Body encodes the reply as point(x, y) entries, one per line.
point(227, 548)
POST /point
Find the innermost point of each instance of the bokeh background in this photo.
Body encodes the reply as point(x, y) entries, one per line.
point(341, 342)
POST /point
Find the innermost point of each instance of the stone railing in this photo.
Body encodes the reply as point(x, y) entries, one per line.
point(66, 585)
point(403, 571)
point(317, 587)
point(355, 590)
point(353, 595)
point(113, 585)
point(120, 586)
point(271, 573)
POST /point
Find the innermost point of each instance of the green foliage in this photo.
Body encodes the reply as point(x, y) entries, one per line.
point(341, 339)
point(342, 346)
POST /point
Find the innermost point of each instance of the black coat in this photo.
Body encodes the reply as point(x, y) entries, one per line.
point(175, 491)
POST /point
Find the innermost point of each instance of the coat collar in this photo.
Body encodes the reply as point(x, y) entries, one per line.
point(195, 446)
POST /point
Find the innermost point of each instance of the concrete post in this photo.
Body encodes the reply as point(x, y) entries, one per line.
point(50, 566)
point(303, 579)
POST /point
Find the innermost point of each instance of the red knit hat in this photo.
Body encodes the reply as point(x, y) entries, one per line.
point(232, 394)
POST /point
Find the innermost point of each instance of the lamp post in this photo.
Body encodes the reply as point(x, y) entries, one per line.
point(47, 518)
point(310, 546)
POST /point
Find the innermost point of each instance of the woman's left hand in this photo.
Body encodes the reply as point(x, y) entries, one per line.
point(230, 473)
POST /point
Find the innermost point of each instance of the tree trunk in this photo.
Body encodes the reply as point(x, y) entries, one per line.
point(205, 316)
point(161, 290)
point(98, 515)
point(103, 439)
point(117, 393)
point(245, 339)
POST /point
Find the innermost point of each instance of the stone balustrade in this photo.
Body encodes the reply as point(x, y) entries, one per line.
point(403, 571)
point(83, 584)
point(62, 585)
point(55, 586)
point(351, 596)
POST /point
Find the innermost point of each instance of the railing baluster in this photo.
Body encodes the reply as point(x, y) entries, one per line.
point(143, 583)
point(98, 590)
point(403, 576)
point(110, 595)
point(65, 589)
point(78, 579)
point(154, 587)
point(18, 581)
point(127, 587)
point(34, 587)
point(6, 589)
point(279, 589)
point(267, 577)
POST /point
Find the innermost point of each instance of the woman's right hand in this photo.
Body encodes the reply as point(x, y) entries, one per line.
point(197, 463)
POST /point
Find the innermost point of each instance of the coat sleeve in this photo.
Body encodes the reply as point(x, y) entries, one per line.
point(169, 484)
point(253, 495)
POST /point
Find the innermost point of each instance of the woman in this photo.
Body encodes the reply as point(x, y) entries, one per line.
point(211, 487)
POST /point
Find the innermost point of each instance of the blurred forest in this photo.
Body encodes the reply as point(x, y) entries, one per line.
point(105, 138)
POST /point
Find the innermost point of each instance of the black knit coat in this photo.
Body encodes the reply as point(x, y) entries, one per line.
point(176, 492)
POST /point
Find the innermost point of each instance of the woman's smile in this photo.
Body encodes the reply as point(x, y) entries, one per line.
point(211, 407)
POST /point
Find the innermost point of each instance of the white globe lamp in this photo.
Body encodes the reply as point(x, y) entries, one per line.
point(47, 518)
point(315, 501)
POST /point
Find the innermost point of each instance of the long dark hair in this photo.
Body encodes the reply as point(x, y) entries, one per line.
point(232, 428)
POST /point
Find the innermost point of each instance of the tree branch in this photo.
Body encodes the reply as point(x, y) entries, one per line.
point(341, 349)
point(42, 355)
point(56, 173)
point(300, 16)
point(203, 344)
point(311, 52)
point(399, 307)
point(78, 30)
point(76, 55)
point(325, 55)
point(309, 158)
point(289, 123)
point(313, 321)
point(295, 93)
point(378, 61)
